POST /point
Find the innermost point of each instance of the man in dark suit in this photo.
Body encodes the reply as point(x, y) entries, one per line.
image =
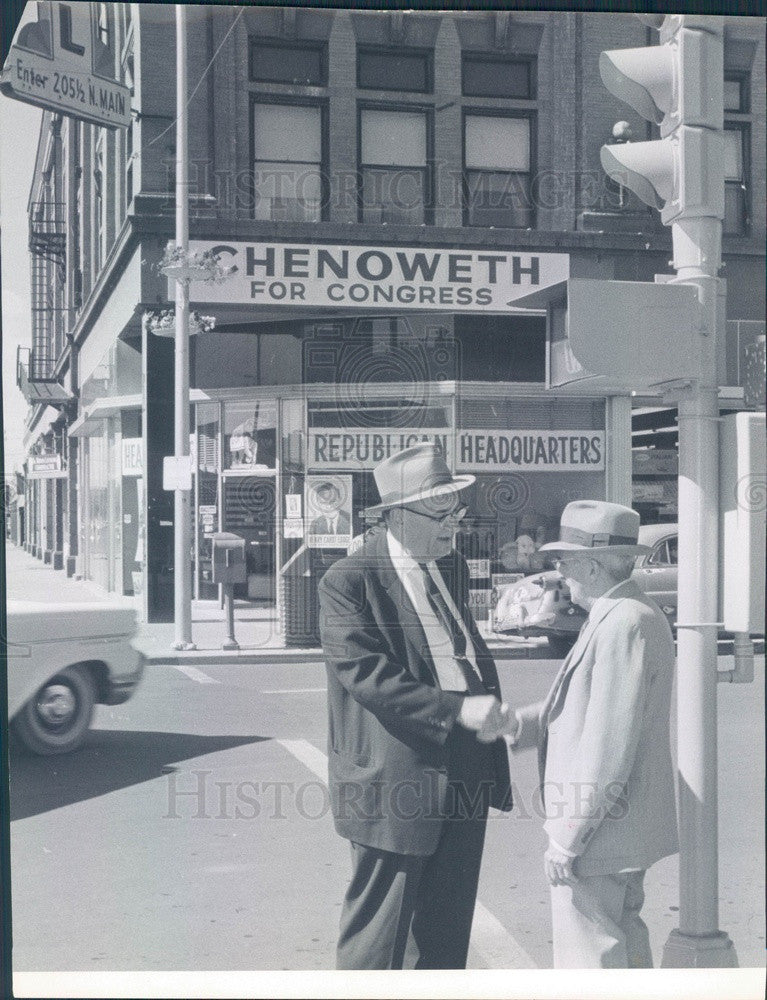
point(334, 520)
point(414, 716)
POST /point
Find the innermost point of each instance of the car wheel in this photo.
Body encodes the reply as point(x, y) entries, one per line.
point(560, 645)
point(57, 718)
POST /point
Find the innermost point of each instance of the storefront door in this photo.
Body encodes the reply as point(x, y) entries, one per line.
point(249, 510)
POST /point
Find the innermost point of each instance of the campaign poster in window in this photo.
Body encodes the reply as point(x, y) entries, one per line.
point(328, 502)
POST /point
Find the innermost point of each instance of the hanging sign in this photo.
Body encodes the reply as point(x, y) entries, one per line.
point(378, 276)
point(62, 61)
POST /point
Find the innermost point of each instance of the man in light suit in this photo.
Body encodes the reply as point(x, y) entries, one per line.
point(603, 746)
point(414, 718)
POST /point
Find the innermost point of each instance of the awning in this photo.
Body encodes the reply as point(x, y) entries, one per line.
point(89, 421)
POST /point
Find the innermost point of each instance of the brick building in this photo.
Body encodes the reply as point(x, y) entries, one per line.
point(385, 184)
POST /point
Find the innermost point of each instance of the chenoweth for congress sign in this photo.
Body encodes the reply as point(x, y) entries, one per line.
point(421, 278)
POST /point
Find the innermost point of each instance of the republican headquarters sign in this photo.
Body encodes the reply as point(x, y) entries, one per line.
point(59, 62)
point(375, 276)
point(471, 450)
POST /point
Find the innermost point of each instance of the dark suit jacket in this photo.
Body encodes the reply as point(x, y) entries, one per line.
point(319, 525)
point(388, 718)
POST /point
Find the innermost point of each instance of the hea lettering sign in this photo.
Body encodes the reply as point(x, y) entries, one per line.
point(377, 276)
point(62, 61)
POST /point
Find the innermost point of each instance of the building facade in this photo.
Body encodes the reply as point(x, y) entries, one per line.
point(380, 186)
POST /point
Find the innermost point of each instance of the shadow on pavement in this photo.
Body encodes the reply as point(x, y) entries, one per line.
point(110, 760)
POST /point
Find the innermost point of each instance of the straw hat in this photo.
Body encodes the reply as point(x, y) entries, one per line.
point(598, 526)
point(417, 473)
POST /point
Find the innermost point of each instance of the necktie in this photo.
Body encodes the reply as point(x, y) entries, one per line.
point(452, 627)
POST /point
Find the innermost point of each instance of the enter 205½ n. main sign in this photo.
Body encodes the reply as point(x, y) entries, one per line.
point(62, 61)
point(380, 276)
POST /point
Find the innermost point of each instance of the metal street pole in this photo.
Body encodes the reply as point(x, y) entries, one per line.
point(182, 497)
point(698, 942)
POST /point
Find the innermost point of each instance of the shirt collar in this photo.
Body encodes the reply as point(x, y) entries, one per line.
point(400, 556)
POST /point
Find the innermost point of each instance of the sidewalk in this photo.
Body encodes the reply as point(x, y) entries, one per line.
point(255, 629)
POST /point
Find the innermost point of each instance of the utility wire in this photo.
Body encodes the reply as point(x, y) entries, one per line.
point(232, 26)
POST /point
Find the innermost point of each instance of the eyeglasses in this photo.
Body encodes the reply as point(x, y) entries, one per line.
point(453, 515)
point(578, 560)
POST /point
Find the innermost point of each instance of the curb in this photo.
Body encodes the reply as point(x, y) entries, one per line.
point(248, 657)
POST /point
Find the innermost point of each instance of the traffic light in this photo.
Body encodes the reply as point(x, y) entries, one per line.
point(678, 85)
point(618, 336)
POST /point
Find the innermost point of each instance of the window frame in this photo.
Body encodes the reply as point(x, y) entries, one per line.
point(405, 107)
point(279, 43)
point(491, 57)
point(744, 80)
point(394, 50)
point(99, 203)
point(296, 102)
point(744, 128)
point(492, 112)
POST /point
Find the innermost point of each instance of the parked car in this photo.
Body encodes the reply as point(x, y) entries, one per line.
point(540, 605)
point(62, 660)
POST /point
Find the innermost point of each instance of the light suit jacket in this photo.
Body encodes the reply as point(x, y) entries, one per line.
point(602, 734)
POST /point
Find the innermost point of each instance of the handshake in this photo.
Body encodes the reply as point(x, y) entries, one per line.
point(487, 717)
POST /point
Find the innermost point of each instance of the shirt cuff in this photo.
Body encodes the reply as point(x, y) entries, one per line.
point(562, 850)
point(511, 737)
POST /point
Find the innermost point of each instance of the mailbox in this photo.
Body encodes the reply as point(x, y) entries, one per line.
point(228, 561)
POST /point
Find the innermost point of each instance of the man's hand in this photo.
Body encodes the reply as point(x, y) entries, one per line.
point(484, 715)
point(558, 866)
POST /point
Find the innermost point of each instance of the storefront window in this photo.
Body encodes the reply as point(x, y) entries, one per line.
point(207, 494)
point(417, 350)
point(250, 436)
point(531, 457)
point(118, 373)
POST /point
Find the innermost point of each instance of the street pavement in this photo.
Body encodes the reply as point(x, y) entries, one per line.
point(192, 830)
point(256, 629)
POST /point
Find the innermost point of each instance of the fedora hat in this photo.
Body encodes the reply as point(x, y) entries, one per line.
point(417, 473)
point(597, 526)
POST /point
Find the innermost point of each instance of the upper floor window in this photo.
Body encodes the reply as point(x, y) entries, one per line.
point(103, 55)
point(497, 171)
point(99, 199)
point(400, 69)
point(735, 188)
point(279, 62)
point(493, 76)
point(394, 166)
point(287, 168)
point(736, 93)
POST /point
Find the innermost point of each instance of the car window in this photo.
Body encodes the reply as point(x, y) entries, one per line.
point(659, 555)
point(664, 553)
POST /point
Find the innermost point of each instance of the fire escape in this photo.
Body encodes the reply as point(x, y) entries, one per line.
point(35, 367)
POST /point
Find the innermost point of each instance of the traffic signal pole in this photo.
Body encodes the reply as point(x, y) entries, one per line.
point(678, 85)
point(182, 591)
point(698, 942)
